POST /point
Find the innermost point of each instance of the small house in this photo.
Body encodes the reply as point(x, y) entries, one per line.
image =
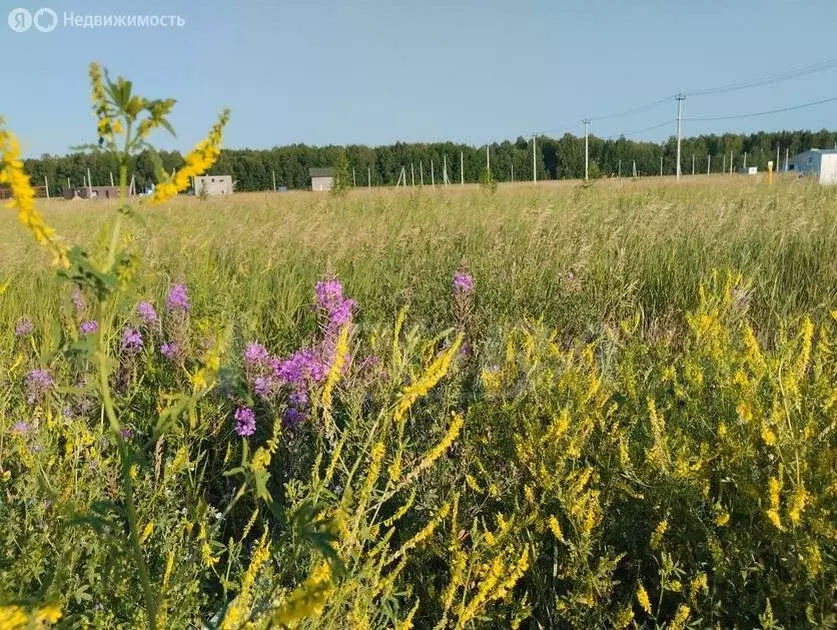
point(322, 179)
point(92, 192)
point(820, 165)
point(748, 170)
point(213, 185)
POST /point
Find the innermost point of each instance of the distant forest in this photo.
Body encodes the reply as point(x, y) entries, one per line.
point(557, 158)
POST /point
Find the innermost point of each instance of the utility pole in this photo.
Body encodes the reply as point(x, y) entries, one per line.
point(619, 173)
point(787, 153)
point(46, 185)
point(369, 177)
point(680, 98)
point(111, 179)
point(586, 122)
point(661, 166)
point(462, 168)
point(708, 164)
point(745, 159)
point(777, 158)
point(487, 160)
point(89, 184)
point(432, 175)
point(534, 161)
point(731, 162)
point(445, 179)
point(693, 163)
point(354, 178)
point(634, 169)
point(421, 173)
point(512, 173)
point(274, 181)
point(412, 174)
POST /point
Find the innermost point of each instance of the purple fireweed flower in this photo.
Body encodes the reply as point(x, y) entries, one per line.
point(264, 386)
point(178, 298)
point(38, 384)
point(293, 416)
point(329, 293)
point(146, 313)
point(245, 421)
point(131, 341)
point(463, 282)
point(170, 350)
point(23, 327)
point(302, 366)
point(256, 354)
point(298, 398)
point(78, 300)
point(89, 327)
point(20, 427)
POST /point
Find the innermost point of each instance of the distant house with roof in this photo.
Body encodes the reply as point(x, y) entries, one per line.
point(819, 164)
point(213, 185)
point(322, 179)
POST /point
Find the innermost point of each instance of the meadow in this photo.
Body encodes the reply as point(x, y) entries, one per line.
point(553, 405)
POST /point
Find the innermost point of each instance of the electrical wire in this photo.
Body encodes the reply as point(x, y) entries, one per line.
point(828, 64)
point(764, 113)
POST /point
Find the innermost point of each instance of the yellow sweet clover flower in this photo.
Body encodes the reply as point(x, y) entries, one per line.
point(434, 373)
point(768, 436)
point(680, 617)
point(797, 504)
point(23, 196)
point(335, 371)
point(721, 519)
point(197, 162)
point(555, 527)
point(774, 490)
point(813, 560)
point(643, 599)
point(698, 584)
point(146, 532)
point(307, 600)
point(624, 618)
point(657, 535)
point(239, 610)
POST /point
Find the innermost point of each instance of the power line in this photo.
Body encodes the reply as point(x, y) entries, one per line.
point(633, 110)
point(764, 113)
point(828, 64)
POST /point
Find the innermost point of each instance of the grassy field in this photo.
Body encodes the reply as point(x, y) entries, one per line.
point(576, 257)
point(556, 406)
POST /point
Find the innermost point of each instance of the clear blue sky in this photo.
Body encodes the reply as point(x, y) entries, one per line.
point(377, 71)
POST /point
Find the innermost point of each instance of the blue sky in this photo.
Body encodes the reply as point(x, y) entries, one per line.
point(376, 71)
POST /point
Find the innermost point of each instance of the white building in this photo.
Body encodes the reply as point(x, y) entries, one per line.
point(213, 185)
point(749, 170)
point(322, 179)
point(821, 165)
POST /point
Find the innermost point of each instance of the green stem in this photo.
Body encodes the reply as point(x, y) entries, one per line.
point(110, 411)
point(128, 490)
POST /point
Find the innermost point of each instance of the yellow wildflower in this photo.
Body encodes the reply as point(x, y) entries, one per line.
point(680, 617)
point(797, 504)
point(768, 436)
point(643, 599)
point(239, 610)
point(699, 583)
point(334, 373)
point(657, 535)
point(307, 600)
point(23, 196)
point(198, 160)
point(555, 527)
point(434, 373)
point(721, 519)
point(146, 532)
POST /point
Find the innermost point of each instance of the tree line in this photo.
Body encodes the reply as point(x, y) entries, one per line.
point(555, 158)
